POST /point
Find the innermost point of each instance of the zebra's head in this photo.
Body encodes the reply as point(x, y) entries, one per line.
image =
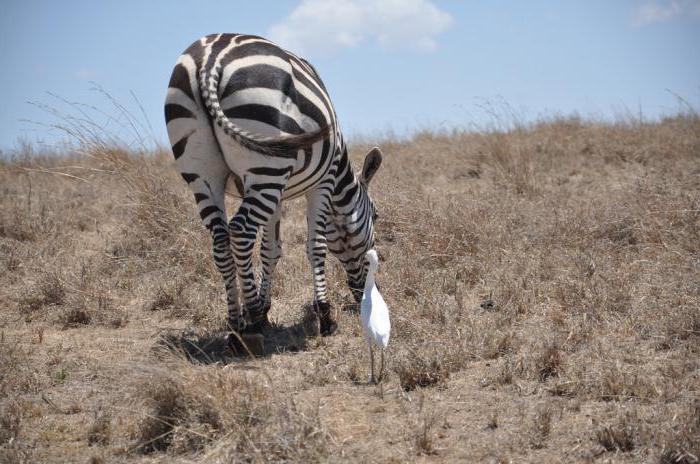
point(351, 232)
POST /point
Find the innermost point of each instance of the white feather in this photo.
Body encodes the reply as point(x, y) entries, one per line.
point(373, 309)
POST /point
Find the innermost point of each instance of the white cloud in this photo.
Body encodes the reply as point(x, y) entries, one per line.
point(324, 27)
point(663, 10)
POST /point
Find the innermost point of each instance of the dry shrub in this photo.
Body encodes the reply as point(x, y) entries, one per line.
point(680, 324)
point(96, 460)
point(620, 230)
point(496, 344)
point(187, 413)
point(609, 379)
point(541, 427)
point(10, 422)
point(512, 162)
point(14, 448)
point(321, 371)
point(492, 423)
point(49, 291)
point(355, 373)
point(549, 362)
point(75, 317)
point(14, 455)
point(681, 444)
point(176, 417)
point(296, 435)
point(619, 383)
point(425, 438)
point(418, 372)
point(99, 432)
point(163, 227)
point(509, 370)
point(9, 259)
point(17, 227)
point(17, 373)
point(469, 275)
point(165, 298)
point(599, 297)
point(620, 436)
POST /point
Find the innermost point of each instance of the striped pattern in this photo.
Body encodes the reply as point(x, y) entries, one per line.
point(243, 113)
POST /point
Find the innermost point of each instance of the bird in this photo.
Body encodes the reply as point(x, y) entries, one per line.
point(375, 315)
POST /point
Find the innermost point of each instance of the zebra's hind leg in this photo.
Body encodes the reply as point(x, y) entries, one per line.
point(270, 253)
point(223, 258)
point(256, 209)
point(317, 212)
point(208, 189)
point(201, 164)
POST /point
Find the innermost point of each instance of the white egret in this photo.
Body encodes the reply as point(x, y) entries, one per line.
point(374, 314)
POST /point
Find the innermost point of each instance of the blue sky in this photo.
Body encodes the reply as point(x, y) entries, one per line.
point(390, 65)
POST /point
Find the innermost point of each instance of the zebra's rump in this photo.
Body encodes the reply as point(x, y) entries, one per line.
point(263, 90)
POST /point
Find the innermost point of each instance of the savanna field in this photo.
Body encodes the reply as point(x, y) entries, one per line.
point(543, 281)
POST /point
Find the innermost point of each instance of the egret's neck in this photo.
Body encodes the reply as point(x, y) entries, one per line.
point(369, 282)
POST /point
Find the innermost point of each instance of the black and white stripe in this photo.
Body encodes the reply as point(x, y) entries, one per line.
point(240, 109)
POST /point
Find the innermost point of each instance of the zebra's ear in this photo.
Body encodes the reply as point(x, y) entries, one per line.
point(373, 160)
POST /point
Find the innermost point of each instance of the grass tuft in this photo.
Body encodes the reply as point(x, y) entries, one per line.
point(99, 432)
point(617, 437)
point(419, 373)
point(549, 362)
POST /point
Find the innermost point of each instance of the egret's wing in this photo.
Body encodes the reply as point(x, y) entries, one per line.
point(380, 321)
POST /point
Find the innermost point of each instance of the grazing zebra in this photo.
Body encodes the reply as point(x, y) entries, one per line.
point(244, 112)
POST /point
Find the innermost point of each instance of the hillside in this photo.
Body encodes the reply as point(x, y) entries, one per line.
point(544, 284)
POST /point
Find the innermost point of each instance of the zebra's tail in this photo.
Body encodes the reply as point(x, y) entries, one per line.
point(281, 147)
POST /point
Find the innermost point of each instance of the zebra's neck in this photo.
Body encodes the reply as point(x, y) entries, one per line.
point(348, 190)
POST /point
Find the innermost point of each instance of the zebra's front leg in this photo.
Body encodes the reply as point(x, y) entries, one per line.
point(317, 213)
point(270, 253)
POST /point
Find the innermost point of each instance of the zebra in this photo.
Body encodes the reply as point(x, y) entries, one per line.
point(245, 115)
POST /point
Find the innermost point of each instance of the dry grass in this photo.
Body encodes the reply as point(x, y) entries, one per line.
point(618, 437)
point(543, 283)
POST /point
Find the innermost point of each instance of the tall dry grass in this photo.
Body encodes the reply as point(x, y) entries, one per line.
point(543, 282)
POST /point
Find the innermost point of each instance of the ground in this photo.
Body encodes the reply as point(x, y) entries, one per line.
point(543, 282)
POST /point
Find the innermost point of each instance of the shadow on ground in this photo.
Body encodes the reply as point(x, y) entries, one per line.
point(209, 347)
point(352, 308)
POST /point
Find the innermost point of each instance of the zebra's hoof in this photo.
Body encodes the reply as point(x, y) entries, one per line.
point(236, 324)
point(311, 325)
point(258, 326)
point(328, 326)
point(245, 344)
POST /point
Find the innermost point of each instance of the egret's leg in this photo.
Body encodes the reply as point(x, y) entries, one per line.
point(381, 368)
point(371, 363)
